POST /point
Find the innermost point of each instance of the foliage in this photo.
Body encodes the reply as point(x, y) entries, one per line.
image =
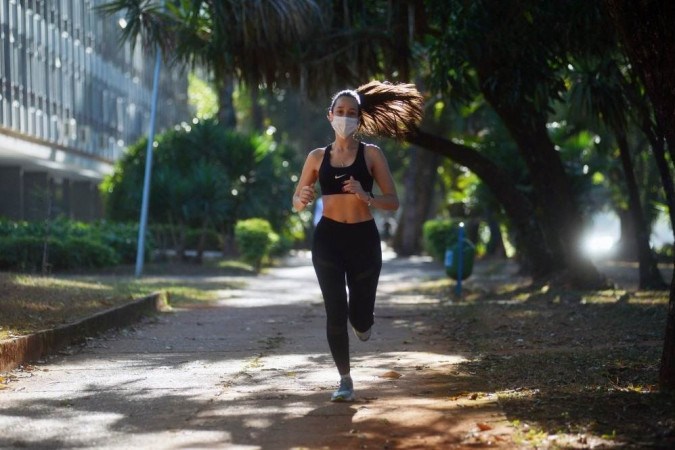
point(519, 44)
point(251, 40)
point(25, 253)
point(81, 241)
point(255, 238)
point(439, 235)
point(204, 175)
point(122, 238)
point(202, 97)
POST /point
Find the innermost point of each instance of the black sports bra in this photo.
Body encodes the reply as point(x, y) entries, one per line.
point(331, 178)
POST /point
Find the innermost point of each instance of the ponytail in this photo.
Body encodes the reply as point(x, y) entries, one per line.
point(391, 110)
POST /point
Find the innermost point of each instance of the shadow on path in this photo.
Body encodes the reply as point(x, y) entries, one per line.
point(254, 372)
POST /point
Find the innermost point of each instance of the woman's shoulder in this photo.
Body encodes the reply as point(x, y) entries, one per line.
point(316, 156)
point(317, 153)
point(371, 149)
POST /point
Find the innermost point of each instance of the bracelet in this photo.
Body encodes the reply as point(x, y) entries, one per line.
point(371, 197)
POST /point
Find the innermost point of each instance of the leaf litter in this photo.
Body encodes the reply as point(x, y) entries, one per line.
point(571, 369)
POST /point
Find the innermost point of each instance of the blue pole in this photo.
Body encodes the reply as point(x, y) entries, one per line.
point(140, 252)
point(460, 258)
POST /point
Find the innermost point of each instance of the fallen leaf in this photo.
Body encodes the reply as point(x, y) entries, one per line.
point(391, 375)
point(483, 426)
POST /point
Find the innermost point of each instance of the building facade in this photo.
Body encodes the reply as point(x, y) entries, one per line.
point(71, 99)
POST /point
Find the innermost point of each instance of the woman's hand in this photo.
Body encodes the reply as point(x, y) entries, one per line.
point(354, 187)
point(306, 195)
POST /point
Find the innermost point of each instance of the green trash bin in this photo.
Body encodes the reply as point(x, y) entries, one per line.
point(452, 259)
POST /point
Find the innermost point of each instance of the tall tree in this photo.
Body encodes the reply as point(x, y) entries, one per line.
point(511, 53)
point(646, 31)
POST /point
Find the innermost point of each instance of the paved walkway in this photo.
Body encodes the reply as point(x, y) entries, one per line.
point(254, 372)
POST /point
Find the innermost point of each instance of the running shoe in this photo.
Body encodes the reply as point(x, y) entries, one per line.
point(363, 336)
point(344, 393)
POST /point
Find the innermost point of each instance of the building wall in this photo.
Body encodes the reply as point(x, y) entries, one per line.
point(71, 100)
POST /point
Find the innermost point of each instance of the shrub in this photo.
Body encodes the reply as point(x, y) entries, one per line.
point(83, 253)
point(11, 228)
point(71, 244)
point(254, 238)
point(22, 253)
point(123, 239)
point(25, 253)
point(438, 235)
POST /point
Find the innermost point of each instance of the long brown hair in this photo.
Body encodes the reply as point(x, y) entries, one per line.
point(386, 109)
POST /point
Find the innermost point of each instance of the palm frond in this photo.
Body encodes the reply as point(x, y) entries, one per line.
point(147, 22)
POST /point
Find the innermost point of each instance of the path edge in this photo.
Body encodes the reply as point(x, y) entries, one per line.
point(23, 349)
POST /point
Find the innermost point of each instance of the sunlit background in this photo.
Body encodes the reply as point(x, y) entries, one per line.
point(603, 235)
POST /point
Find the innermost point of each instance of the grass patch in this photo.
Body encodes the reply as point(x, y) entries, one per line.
point(32, 303)
point(571, 369)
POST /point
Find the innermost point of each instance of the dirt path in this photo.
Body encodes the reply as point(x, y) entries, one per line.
point(254, 373)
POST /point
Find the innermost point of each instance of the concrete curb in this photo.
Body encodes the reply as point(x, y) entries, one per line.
point(16, 351)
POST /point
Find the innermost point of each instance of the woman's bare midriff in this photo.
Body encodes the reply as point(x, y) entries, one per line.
point(346, 208)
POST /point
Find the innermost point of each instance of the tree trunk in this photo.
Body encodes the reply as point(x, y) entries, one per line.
point(226, 112)
point(419, 184)
point(645, 28)
point(667, 370)
point(495, 246)
point(665, 173)
point(556, 207)
point(517, 206)
point(627, 242)
point(650, 277)
point(202, 241)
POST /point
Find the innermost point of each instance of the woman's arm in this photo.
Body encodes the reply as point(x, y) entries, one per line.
point(379, 167)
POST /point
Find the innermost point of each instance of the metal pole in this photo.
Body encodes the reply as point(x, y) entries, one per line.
point(460, 258)
point(140, 252)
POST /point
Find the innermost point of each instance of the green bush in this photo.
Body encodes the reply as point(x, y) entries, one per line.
point(254, 239)
point(123, 239)
point(84, 253)
point(438, 235)
point(11, 228)
point(232, 176)
point(25, 253)
point(71, 244)
point(22, 253)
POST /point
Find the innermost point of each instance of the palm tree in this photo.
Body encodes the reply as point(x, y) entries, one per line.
point(244, 40)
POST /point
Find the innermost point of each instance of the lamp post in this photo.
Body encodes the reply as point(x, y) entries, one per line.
point(140, 251)
point(460, 258)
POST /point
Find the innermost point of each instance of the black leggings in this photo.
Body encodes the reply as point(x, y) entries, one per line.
point(346, 255)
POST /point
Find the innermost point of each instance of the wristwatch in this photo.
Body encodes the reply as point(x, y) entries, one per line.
point(370, 197)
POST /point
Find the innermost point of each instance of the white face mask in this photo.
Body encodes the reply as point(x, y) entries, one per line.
point(345, 126)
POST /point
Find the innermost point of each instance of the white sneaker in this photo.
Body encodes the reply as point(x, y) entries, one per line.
point(363, 336)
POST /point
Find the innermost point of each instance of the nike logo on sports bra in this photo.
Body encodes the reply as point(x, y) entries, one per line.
point(332, 179)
